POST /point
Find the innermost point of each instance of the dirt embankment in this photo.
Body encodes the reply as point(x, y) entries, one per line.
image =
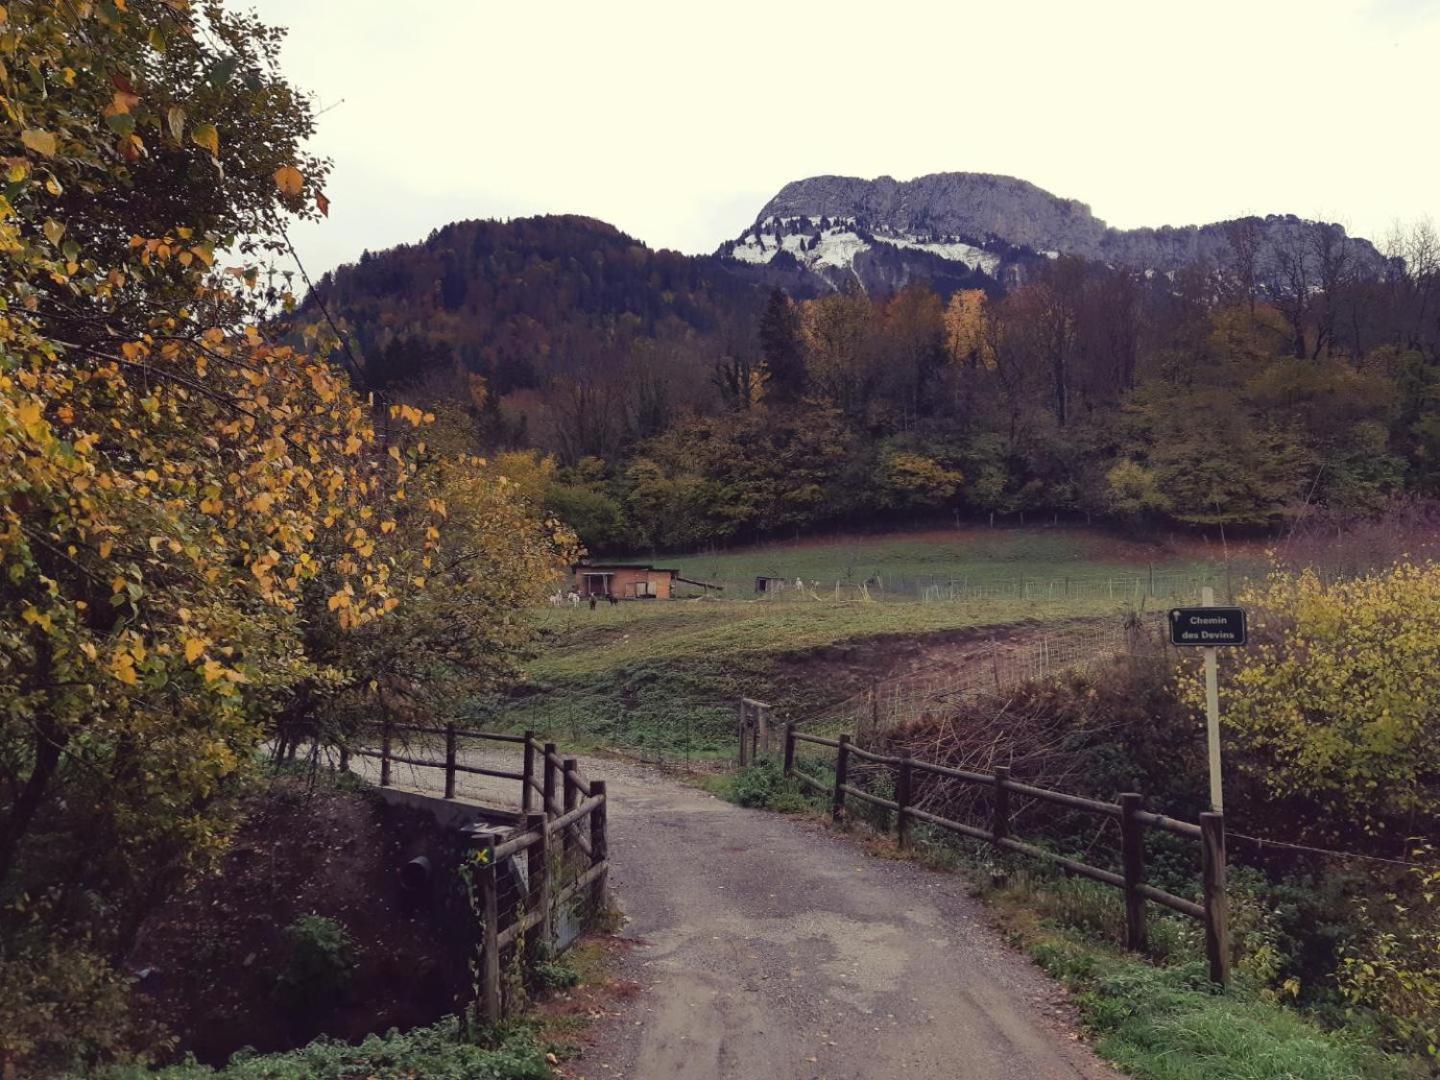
point(211, 959)
point(847, 668)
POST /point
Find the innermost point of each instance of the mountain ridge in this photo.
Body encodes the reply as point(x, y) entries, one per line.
point(996, 224)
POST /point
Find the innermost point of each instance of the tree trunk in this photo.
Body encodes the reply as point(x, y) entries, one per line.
point(48, 744)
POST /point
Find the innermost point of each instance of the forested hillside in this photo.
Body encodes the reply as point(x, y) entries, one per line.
point(671, 402)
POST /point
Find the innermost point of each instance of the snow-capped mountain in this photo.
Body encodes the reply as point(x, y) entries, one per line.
point(955, 229)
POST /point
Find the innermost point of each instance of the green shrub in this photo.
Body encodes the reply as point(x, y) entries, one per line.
point(318, 966)
point(1395, 969)
point(765, 787)
point(557, 974)
point(436, 1053)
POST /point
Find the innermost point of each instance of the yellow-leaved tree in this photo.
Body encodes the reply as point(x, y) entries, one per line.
point(1337, 702)
point(200, 527)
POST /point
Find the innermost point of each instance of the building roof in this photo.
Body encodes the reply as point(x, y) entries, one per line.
point(579, 567)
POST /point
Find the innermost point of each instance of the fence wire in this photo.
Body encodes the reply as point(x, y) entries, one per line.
point(990, 668)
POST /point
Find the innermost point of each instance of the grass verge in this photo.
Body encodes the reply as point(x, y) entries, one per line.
point(1170, 1023)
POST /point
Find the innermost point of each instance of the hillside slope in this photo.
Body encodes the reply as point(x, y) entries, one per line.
point(523, 301)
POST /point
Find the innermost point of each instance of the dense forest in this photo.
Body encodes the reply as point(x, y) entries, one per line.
point(658, 401)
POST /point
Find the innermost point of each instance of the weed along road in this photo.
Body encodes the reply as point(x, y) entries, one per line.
point(770, 949)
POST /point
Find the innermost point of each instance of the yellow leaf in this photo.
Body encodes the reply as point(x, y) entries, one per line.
point(193, 648)
point(42, 142)
point(106, 546)
point(205, 135)
point(124, 669)
point(289, 180)
point(121, 103)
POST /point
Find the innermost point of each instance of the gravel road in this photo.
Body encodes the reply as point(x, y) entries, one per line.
point(769, 948)
point(773, 948)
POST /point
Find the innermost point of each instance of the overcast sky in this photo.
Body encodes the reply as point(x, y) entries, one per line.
point(676, 120)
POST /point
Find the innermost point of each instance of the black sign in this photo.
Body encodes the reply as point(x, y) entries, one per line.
point(1207, 626)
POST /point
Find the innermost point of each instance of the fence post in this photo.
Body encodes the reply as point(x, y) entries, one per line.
point(740, 728)
point(1217, 917)
point(842, 767)
point(385, 754)
point(538, 872)
point(789, 749)
point(599, 848)
point(549, 781)
point(1000, 819)
point(572, 796)
point(490, 929)
point(450, 749)
point(527, 789)
point(902, 801)
point(1132, 850)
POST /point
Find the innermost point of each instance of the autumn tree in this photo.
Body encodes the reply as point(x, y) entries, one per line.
point(839, 334)
point(189, 508)
point(1336, 703)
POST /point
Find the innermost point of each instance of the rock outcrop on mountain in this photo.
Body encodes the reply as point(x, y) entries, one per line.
point(884, 232)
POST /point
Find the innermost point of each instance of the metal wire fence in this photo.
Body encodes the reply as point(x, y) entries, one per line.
point(988, 668)
point(1116, 588)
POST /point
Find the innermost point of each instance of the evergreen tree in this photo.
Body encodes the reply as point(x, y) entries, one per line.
point(783, 346)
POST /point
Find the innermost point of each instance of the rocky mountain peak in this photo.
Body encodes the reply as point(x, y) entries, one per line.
point(952, 227)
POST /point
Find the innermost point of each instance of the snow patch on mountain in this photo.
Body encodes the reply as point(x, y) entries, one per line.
point(954, 250)
point(834, 241)
point(836, 245)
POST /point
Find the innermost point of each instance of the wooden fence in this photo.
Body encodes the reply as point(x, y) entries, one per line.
point(1133, 820)
point(561, 831)
point(755, 730)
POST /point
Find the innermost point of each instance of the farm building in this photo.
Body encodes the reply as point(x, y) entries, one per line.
point(624, 581)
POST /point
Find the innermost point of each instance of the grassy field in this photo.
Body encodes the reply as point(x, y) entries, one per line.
point(662, 677)
point(968, 554)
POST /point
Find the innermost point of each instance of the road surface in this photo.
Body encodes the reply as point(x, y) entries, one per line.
point(771, 948)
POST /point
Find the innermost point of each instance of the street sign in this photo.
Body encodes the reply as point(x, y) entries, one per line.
point(1208, 626)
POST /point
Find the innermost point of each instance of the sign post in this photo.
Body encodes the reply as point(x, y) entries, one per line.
point(1210, 627)
point(1212, 711)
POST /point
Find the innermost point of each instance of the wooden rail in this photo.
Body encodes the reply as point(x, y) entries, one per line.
point(1211, 911)
point(562, 839)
